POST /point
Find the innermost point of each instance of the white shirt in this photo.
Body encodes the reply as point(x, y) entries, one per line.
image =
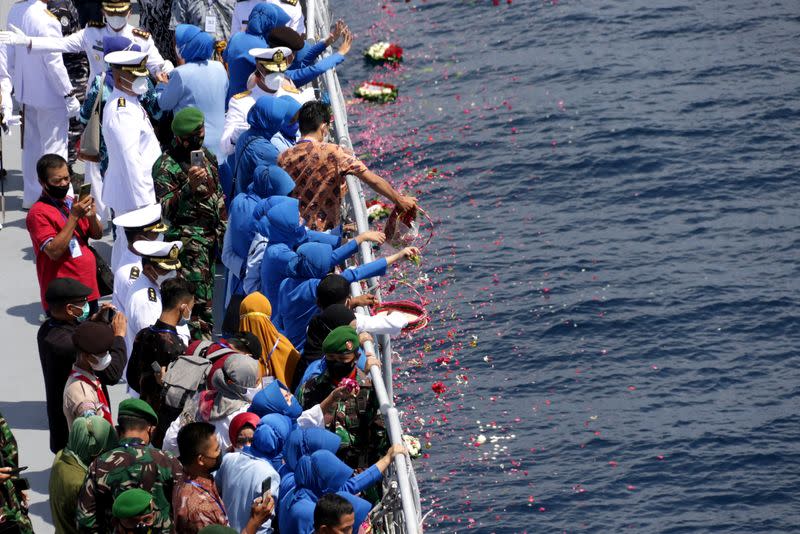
point(236, 118)
point(242, 12)
point(143, 308)
point(43, 77)
point(132, 151)
point(386, 323)
point(5, 83)
point(129, 271)
point(90, 40)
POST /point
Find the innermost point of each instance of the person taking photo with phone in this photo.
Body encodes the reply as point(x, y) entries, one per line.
point(186, 179)
point(60, 227)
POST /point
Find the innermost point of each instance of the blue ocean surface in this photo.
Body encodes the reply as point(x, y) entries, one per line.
point(613, 279)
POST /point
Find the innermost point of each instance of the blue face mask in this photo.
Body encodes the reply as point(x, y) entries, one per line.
point(85, 312)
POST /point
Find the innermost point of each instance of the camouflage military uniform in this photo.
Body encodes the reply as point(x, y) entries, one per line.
point(357, 420)
point(11, 502)
point(77, 67)
point(131, 465)
point(198, 219)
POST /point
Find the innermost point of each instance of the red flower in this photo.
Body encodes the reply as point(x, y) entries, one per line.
point(438, 388)
point(393, 52)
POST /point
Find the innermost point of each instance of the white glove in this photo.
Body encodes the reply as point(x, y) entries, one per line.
point(167, 67)
point(73, 107)
point(14, 37)
point(12, 120)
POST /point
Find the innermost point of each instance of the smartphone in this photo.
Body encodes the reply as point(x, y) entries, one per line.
point(156, 368)
point(266, 487)
point(85, 191)
point(18, 470)
point(198, 158)
point(107, 315)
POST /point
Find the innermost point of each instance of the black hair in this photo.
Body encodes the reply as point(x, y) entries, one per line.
point(47, 162)
point(246, 342)
point(126, 423)
point(333, 289)
point(312, 115)
point(174, 291)
point(330, 509)
point(192, 440)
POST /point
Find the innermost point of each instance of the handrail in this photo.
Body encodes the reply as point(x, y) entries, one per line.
point(318, 17)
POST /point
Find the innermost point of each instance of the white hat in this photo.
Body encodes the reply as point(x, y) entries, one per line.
point(128, 60)
point(162, 253)
point(273, 59)
point(148, 219)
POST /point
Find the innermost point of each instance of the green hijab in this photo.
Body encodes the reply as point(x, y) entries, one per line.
point(89, 437)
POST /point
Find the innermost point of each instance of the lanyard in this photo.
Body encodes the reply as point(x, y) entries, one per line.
point(162, 330)
point(268, 363)
point(219, 504)
point(98, 391)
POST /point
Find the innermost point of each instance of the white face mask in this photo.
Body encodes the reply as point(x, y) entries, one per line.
point(273, 81)
point(139, 85)
point(116, 22)
point(102, 363)
point(160, 279)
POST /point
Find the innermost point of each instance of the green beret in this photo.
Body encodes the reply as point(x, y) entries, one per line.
point(217, 529)
point(137, 408)
point(187, 120)
point(131, 503)
point(341, 339)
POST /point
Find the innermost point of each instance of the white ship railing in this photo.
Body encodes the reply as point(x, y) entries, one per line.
point(399, 511)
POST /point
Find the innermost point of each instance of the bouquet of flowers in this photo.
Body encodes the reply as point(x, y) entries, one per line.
point(350, 385)
point(377, 210)
point(384, 52)
point(377, 92)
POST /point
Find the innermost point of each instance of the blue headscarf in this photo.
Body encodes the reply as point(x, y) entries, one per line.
point(307, 441)
point(270, 400)
point(261, 209)
point(270, 437)
point(194, 45)
point(323, 473)
point(266, 116)
point(313, 260)
point(361, 508)
point(264, 18)
point(284, 224)
point(290, 128)
point(115, 43)
point(269, 180)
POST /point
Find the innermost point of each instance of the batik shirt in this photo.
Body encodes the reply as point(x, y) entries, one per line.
point(197, 504)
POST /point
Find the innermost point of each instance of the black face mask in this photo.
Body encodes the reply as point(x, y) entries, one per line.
point(193, 142)
point(217, 463)
point(338, 370)
point(57, 191)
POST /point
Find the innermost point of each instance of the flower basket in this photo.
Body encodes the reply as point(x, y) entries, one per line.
point(377, 92)
point(384, 52)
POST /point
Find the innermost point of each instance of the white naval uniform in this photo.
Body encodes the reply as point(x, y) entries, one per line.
point(132, 150)
point(15, 15)
point(238, 107)
point(129, 271)
point(143, 308)
point(243, 8)
point(5, 84)
point(90, 40)
point(45, 84)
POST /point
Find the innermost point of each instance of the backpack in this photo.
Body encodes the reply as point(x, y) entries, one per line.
point(188, 373)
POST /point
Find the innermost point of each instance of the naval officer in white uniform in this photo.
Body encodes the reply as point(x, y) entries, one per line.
point(270, 63)
point(130, 140)
point(144, 224)
point(90, 40)
point(46, 93)
point(159, 263)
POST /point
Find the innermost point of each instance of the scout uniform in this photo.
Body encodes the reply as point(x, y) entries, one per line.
point(133, 464)
point(274, 60)
point(143, 305)
point(12, 508)
point(90, 40)
point(147, 219)
point(197, 217)
point(46, 93)
point(132, 148)
point(357, 420)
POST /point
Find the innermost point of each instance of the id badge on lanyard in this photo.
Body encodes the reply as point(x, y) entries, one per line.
point(211, 20)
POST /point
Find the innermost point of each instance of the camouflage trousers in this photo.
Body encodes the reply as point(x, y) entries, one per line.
point(198, 266)
point(78, 71)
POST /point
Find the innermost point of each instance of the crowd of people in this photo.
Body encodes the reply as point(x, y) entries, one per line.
point(202, 141)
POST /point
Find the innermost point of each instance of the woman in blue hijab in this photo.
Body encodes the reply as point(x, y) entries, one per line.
point(269, 438)
point(198, 81)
